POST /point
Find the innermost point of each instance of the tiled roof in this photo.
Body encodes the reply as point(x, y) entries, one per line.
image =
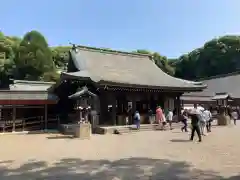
point(24, 95)
point(196, 98)
point(30, 85)
point(28, 90)
point(131, 69)
point(229, 84)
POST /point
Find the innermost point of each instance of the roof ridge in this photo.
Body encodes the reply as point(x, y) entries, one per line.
point(111, 51)
point(220, 76)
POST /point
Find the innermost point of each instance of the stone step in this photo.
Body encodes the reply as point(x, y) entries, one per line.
point(130, 129)
point(122, 131)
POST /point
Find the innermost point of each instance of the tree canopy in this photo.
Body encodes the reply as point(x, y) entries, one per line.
point(28, 58)
point(160, 61)
point(217, 56)
point(31, 58)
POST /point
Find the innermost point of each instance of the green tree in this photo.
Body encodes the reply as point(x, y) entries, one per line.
point(61, 56)
point(51, 76)
point(217, 56)
point(160, 61)
point(33, 57)
point(7, 56)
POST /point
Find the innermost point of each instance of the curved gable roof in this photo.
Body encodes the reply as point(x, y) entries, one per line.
point(123, 68)
point(228, 83)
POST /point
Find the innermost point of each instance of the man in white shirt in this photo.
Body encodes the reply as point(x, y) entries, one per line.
point(170, 118)
point(234, 115)
point(203, 122)
point(208, 117)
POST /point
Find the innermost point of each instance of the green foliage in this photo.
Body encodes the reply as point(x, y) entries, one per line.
point(51, 76)
point(142, 51)
point(6, 56)
point(33, 56)
point(30, 58)
point(160, 61)
point(218, 56)
point(61, 56)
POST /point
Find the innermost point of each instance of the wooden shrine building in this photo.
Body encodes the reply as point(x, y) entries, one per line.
point(123, 82)
point(219, 89)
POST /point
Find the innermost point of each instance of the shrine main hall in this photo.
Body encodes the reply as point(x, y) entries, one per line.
point(119, 81)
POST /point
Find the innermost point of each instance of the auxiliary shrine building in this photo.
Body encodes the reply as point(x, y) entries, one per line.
point(221, 90)
point(27, 105)
point(118, 80)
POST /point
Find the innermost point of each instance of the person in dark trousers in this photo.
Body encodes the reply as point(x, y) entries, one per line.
point(184, 121)
point(130, 115)
point(195, 118)
point(150, 116)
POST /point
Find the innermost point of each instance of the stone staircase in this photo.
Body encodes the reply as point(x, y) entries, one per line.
point(130, 128)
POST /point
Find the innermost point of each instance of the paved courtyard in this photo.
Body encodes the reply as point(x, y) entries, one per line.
point(142, 155)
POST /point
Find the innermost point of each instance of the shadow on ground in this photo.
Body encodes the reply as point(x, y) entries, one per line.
point(127, 169)
point(180, 140)
point(60, 137)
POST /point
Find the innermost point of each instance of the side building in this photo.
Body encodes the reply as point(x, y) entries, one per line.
point(221, 90)
point(27, 105)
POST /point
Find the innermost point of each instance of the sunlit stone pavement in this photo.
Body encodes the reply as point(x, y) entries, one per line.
point(140, 155)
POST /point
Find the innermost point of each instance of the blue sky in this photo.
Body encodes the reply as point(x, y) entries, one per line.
point(170, 27)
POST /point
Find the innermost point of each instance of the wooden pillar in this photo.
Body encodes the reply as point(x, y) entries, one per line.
point(166, 104)
point(103, 108)
point(160, 100)
point(134, 105)
point(114, 112)
point(45, 116)
point(14, 117)
point(1, 117)
point(113, 103)
point(178, 105)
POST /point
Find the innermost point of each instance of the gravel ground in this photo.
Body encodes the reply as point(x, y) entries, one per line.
point(166, 155)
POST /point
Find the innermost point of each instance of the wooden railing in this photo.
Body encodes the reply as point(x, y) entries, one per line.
point(28, 123)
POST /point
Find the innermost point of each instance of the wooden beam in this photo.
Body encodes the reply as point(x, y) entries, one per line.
point(45, 116)
point(26, 102)
point(14, 117)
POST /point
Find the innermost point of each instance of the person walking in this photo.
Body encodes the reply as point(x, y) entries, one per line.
point(150, 116)
point(234, 115)
point(208, 116)
point(137, 119)
point(184, 119)
point(202, 122)
point(195, 118)
point(164, 122)
point(159, 114)
point(130, 115)
point(169, 118)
